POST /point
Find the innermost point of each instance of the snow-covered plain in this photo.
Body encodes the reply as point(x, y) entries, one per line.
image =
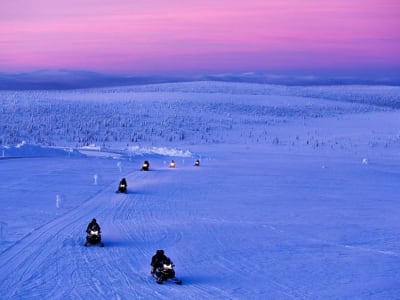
point(296, 196)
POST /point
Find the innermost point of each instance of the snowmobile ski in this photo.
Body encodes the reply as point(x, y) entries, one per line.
point(87, 244)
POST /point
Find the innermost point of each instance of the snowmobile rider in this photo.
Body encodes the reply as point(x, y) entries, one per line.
point(145, 166)
point(158, 260)
point(93, 226)
point(123, 183)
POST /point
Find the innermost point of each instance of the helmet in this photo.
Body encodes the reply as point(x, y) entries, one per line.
point(94, 220)
point(160, 252)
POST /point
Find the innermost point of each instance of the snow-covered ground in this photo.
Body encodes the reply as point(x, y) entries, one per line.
point(296, 196)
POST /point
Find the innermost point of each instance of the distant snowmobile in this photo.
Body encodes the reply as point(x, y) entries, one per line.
point(197, 163)
point(123, 186)
point(145, 166)
point(172, 164)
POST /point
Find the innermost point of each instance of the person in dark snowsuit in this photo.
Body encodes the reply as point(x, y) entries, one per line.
point(158, 260)
point(93, 237)
point(93, 226)
point(145, 166)
point(162, 268)
point(123, 186)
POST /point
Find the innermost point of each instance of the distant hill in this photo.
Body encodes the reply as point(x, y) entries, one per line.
point(66, 79)
point(301, 80)
point(75, 79)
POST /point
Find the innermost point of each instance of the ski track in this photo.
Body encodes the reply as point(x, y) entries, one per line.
point(42, 260)
point(52, 239)
point(325, 242)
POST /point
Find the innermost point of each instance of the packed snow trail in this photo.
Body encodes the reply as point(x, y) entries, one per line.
point(133, 225)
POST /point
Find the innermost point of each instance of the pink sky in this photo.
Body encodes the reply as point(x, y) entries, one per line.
point(188, 36)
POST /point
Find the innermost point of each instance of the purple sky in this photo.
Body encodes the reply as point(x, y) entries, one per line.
point(188, 36)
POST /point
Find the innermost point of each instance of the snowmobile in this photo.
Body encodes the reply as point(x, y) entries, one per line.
point(197, 163)
point(162, 274)
point(145, 166)
point(172, 164)
point(122, 188)
point(93, 237)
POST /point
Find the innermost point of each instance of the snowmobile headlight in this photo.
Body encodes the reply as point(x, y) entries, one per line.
point(169, 267)
point(94, 232)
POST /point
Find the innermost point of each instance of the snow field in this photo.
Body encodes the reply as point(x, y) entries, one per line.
point(304, 207)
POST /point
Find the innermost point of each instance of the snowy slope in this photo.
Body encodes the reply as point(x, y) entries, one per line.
point(296, 196)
